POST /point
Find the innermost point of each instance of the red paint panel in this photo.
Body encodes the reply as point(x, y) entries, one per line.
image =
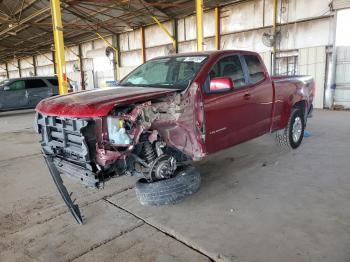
point(97, 103)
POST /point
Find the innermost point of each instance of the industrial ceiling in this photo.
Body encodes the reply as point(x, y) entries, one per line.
point(26, 27)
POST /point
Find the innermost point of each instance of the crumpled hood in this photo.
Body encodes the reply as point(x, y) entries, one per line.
point(99, 102)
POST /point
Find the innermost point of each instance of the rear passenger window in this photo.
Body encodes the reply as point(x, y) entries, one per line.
point(17, 85)
point(35, 83)
point(255, 69)
point(229, 67)
point(53, 81)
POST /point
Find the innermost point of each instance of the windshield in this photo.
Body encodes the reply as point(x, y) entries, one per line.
point(170, 72)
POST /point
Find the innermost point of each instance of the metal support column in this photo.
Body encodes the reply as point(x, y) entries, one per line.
point(217, 28)
point(54, 62)
point(116, 59)
point(143, 48)
point(34, 66)
point(274, 28)
point(175, 35)
point(59, 45)
point(7, 71)
point(172, 37)
point(81, 65)
point(199, 16)
point(19, 67)
point(332, 70)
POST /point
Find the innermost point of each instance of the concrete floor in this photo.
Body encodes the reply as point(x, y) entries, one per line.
point(257, 203)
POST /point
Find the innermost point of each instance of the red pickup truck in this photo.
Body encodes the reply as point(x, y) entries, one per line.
point(166, 114)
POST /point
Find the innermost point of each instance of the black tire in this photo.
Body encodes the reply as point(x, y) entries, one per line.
point(169, 191)
point(284, 137)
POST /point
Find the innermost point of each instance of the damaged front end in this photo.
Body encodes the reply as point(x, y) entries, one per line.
point(148, 139)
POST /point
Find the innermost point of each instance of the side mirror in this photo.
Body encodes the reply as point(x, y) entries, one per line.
point(221, 84)
point(6, 88)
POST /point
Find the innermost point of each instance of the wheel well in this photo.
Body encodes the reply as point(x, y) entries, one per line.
point(301, 105)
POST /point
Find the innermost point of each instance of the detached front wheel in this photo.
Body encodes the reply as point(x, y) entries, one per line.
point(169, 191)
point(292, 136)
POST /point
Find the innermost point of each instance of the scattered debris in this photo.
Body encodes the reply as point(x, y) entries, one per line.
point(338, 108)
point(307, 133)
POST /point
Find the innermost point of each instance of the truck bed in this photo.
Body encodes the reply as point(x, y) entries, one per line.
point(286, 90)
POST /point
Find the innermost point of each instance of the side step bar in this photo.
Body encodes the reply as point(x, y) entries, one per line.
point(73, 208)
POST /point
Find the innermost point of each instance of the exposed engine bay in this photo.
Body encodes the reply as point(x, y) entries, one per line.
point(143, 139)
point(132, 146)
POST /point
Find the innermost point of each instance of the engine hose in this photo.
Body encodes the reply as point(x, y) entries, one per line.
point(148, 152)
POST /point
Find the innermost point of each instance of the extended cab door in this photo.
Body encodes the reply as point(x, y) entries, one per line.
point(260, 94)
point(13, 96)
point(244, 113)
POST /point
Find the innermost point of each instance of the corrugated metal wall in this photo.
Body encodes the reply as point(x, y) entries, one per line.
point(237, 32)
point(341, 4)
point(312, 61)
point(44, 65)
point(342, 91)
point(266, 56)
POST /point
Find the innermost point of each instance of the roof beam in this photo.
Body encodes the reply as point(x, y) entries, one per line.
point(89, 17)
point(25, 6)
point(8, 11)
point(147, 4)
point(12, 14)
point(24, 20)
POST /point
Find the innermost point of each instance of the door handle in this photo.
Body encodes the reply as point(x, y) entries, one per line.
point(247, 96)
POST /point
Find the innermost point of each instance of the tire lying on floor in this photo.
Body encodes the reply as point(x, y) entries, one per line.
point(169, 191)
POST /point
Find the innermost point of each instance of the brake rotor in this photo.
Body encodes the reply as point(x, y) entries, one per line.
point(162, 167)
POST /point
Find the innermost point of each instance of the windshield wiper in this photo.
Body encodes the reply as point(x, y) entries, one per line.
point(163, 84)
point(155, 85)
point(127, 84)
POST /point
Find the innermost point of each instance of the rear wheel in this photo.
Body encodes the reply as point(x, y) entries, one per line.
point(169, 191)
point(292, 136)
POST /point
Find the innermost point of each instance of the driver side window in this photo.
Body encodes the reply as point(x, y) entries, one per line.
point(229, 67)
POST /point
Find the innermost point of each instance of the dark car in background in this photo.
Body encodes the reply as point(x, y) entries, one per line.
point(27, 92)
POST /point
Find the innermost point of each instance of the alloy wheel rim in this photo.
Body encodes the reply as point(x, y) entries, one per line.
point(297, 129)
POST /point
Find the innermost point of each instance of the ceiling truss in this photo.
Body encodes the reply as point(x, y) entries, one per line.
point(26, 28)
